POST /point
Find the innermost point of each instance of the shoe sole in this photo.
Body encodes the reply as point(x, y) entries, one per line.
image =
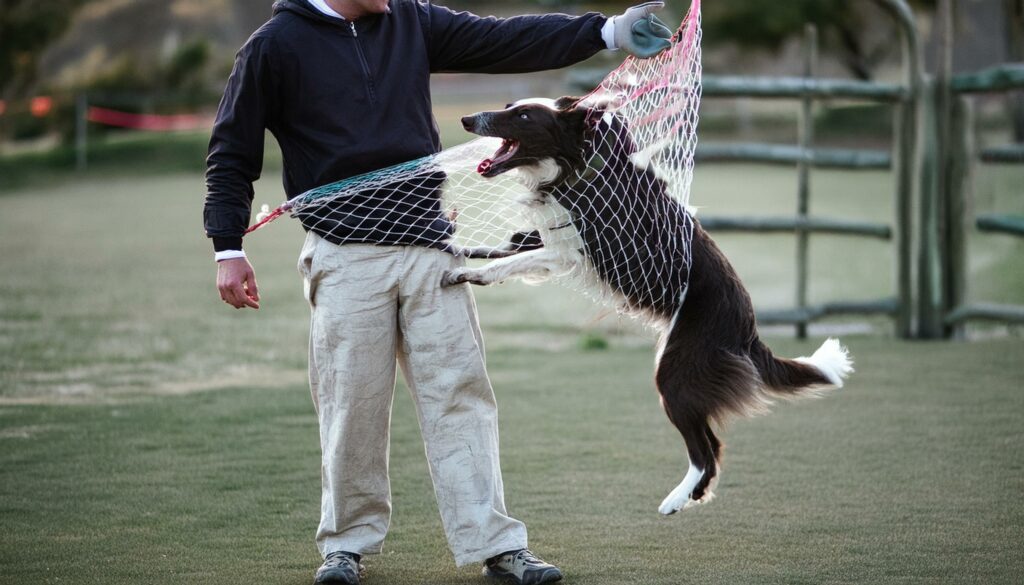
point(335, 581)
point(341, 580)
point(551, 575)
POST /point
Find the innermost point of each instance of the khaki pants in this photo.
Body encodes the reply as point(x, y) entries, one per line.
point(373, 306)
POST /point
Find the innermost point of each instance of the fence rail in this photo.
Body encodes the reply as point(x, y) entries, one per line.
point(806, 224)
point(1002, 223)
point(801, 87)
point(784, 154)
point(1001, 78)
point(986, 312)
point(811, 313)
point(1008, 154)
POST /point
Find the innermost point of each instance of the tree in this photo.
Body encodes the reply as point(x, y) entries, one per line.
point(26, 28)
point(845, 27)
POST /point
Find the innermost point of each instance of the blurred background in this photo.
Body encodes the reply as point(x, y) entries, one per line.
point(148, 432)
point(95, 91)
point(105, 117)
point(171, 58)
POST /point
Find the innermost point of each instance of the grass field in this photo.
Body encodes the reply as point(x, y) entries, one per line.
point(150, 434)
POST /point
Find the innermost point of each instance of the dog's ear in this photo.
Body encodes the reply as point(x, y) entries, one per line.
point(566, 102)
point(583, 117)
point(588, 116)
point(575, 116)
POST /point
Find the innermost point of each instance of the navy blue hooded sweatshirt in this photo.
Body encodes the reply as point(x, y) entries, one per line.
point(344, 98)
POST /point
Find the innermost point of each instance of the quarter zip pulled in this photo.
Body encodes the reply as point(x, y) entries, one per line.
point(370, 91)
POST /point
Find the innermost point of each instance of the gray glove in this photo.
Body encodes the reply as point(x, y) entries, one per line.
point(639, 32)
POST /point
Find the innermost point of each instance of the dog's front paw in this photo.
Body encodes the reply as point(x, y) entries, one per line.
point(452, 277)
point(461, 275)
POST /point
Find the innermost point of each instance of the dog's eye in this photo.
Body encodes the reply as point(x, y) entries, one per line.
point(524, 116)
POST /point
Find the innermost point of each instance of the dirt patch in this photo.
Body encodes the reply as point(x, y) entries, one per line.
point(236, 377)
point(26, 432)
point(67, 387)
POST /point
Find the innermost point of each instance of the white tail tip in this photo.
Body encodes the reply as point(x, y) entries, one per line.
point(832, 360)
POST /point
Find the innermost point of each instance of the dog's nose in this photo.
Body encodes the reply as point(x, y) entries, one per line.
point(468, 122)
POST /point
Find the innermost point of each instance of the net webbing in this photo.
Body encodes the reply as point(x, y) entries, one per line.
point(623, 209)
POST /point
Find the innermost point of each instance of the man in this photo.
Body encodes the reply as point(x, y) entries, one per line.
point(344, 87)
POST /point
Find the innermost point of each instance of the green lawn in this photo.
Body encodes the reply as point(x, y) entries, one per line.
point(913, 474)
point(149, 433)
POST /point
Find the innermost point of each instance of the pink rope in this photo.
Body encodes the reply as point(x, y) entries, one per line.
point(152, 122)
point(270, 217)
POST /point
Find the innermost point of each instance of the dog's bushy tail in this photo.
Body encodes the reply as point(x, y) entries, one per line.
point(825, 369)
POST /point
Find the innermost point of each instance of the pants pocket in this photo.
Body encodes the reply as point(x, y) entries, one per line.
point(307, 267)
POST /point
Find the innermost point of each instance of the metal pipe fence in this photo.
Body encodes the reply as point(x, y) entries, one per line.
point(963, 158)
point(906, 99)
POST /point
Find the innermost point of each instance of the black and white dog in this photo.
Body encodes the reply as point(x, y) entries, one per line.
point(598, 206)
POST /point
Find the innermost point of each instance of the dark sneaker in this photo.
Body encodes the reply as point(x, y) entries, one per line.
point(521, 567)
point(339, 568)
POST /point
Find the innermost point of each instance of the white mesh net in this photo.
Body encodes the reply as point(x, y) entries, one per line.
point(607, 206)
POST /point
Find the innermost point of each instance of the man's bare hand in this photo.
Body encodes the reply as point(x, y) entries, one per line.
point(236, 282)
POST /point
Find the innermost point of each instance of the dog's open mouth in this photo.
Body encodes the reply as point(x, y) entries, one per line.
point(504, 153)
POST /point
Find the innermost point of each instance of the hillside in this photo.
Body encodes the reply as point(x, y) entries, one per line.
point(105, 33)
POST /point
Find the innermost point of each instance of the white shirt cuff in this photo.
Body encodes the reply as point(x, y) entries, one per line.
point(228, 255)
point(608, 33)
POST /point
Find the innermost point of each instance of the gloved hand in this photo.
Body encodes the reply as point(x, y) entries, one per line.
point(639, 32)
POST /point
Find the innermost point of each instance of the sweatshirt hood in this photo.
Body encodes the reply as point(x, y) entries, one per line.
point(306, 10)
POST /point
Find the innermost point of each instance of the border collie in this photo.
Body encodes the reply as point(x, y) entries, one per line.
point(599, 208)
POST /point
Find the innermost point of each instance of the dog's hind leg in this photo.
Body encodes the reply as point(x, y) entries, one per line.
point(702, 493)
point(679, 497)
point(702, 465)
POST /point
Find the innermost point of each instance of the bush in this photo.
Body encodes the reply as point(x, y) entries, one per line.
point(593, 342)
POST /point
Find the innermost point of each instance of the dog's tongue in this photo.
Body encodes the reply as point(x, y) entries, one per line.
point(505, 151)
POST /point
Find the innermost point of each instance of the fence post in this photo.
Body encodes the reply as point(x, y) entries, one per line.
point(906, 147)
point(959, 162)
point(804, 174)
point(81, 131)
point(933, 246)
point(943, 121)
point(929, 250)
